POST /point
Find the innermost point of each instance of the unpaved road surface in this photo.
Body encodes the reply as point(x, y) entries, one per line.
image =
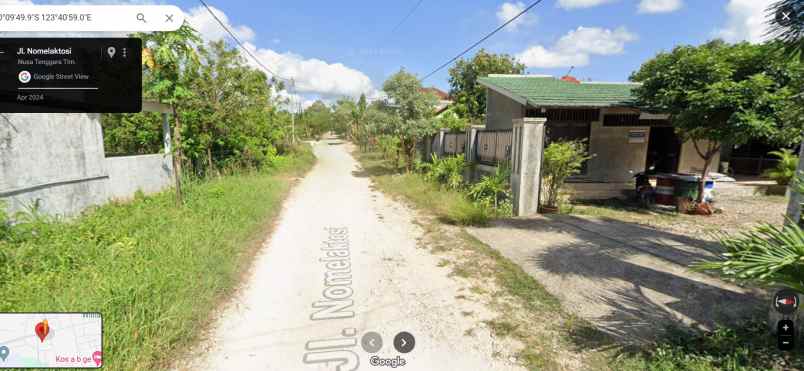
point(288, 316)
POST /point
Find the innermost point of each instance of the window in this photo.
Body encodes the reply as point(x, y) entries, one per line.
point(569, 130)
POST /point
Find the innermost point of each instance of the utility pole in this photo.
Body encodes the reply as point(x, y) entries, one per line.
point(292, 114)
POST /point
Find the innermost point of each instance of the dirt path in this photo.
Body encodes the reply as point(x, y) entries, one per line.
point(289, 317)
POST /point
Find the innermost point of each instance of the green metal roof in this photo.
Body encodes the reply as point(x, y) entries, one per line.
point(541, 91)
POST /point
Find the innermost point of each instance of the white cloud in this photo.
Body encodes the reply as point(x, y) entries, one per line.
point(746, 21)
point(311, 75)
point(577, 4)
point(660, 6)
point(510, 10)
point(577, 46)
point(209, 28)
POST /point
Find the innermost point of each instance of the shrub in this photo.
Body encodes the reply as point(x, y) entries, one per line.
point(450, 120)
point(493, 191)
point(5, 222)
point(785, 170)
point(769, 254)
point(562, 159)
point(447, 171)
point(388, 145)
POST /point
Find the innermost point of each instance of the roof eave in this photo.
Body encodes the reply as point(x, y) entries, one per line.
point(519, 99)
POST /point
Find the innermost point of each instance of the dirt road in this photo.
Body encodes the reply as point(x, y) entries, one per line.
point(344, 261)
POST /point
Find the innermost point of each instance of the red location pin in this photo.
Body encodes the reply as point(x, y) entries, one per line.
point(42, 329)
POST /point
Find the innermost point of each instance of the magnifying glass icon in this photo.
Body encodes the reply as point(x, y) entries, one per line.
point(141, 17)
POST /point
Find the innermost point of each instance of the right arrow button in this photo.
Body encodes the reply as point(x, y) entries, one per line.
point(404, 342)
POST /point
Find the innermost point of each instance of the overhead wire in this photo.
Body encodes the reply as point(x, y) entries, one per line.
point(439, 68)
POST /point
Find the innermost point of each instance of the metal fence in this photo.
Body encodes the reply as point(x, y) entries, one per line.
point(494, 147)
point(454, 143)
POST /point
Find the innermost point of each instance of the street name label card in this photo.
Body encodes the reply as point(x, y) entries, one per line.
point(40, 75)
point(51, 340)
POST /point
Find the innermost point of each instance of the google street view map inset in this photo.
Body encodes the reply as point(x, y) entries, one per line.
point(52, 340)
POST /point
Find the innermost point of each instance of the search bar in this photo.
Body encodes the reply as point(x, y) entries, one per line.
point(90, 18)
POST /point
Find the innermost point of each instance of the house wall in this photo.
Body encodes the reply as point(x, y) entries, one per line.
point(614, 159)
point(690, 162)
point(58, 161)
point(501, 111)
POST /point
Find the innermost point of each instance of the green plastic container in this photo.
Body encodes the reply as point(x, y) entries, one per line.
point(686, 188)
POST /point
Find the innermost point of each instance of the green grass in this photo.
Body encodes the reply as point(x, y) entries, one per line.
point(744, 348)
point(156, 272)
point(450, 206)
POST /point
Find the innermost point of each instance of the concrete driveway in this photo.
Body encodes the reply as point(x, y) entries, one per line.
point(631, 281)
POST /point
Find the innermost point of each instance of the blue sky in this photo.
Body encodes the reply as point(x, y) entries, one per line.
point(335, 48)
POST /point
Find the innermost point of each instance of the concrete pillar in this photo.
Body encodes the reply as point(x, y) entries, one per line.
point(167, 142)
point(440, 144)
point(471, 142)
point(526, 164)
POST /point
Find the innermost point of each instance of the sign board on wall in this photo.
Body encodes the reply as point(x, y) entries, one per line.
point(637, 136)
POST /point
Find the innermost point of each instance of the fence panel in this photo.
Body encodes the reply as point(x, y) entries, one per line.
point(494, 147)
point(454, 143)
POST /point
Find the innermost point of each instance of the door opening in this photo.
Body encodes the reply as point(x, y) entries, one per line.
point(664, 150)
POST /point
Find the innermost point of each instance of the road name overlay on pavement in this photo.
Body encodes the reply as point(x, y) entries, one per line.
point(336, 304)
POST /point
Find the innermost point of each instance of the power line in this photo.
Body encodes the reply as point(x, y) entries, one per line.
point(236, 39)
point(481, 40)
point(406, 17)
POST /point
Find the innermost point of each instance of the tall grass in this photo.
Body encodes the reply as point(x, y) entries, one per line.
point(450, 205)
point(153, 270)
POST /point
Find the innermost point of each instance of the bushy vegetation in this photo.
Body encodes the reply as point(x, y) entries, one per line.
point(494, 191)
point(491, 192)
point(447, 171)
point(562, 159)
point(449, 205)
point(227, 113)
point(785, 170)
point(744, 348)
point(155, 271)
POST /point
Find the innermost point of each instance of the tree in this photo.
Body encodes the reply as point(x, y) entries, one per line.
point(316, 119)
point(787, 25)
point(470, 97)
point(719, 92)
point(450, 120)
point(165, 54)
point(358, 115)
point(414, 108)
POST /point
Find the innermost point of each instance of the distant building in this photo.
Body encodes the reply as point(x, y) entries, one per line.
point(444, 100)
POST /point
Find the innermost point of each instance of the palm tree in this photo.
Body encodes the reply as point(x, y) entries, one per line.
point(786, 21)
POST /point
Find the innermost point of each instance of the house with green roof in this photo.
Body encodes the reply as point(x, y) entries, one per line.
point(622, 139)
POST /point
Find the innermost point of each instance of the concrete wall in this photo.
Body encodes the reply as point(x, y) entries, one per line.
point(690, 162)
point(501, 111)
point(58, 161)
point(615, 159)
point(146, 173)
point(55, 159)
